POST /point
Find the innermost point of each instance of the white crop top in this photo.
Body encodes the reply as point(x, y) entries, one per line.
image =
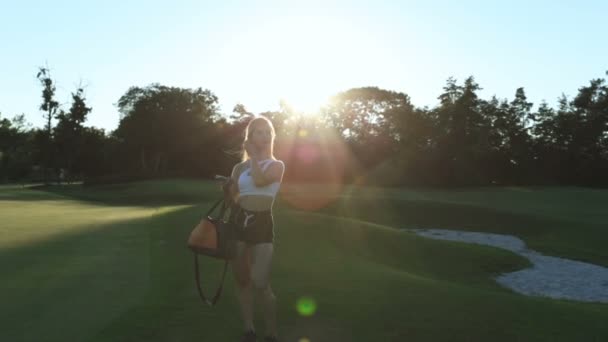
point(247, 185)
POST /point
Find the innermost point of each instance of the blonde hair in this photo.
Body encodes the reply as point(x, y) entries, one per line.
point(251, 126)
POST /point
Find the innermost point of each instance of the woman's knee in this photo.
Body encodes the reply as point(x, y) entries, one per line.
point(264, 292)
point(242, 276)
point(260, 275)
point(260, 281)
point(269, 293)
point(243, 281)
point(262, 263)
point(241, 270)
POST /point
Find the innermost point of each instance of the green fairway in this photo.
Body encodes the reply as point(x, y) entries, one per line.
point(109, 263)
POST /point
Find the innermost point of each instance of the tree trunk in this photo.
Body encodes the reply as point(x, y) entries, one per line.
point(143, 160)
point(157, 163)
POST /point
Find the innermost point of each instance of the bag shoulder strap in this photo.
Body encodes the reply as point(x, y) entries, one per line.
point(218, 292)
point(215, 206)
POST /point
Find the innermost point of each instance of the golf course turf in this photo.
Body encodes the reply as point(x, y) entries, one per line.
point(110, 263)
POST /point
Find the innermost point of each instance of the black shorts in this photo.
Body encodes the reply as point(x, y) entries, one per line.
point(253, 226)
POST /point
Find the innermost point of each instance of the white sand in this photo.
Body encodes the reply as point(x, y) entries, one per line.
point(549, 276)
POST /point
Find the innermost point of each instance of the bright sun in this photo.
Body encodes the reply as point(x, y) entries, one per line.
point(305, 103)
point(308, 67)
point(300, 62)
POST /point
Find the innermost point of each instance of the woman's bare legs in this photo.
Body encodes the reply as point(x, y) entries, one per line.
point(251, 268)
point(260, 275)
point(241, 266)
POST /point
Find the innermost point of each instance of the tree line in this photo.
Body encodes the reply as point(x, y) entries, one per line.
point(370, 135)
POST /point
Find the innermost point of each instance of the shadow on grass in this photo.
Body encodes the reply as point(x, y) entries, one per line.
point(143, 194)
point(128, 280)
point(132, 280)
point(582, 241)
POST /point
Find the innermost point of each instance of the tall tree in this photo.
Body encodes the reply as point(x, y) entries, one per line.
point(50, 106)
point(462, 140)
point(370, 120)
point(96, 153)
point(510, 152)
point(590, 110)
point(69, 133)
point(15, 148)
point(169, 130)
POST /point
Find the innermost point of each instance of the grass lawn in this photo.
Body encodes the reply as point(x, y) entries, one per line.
point(109, 263)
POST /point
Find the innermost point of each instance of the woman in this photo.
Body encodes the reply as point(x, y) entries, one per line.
point(253, 186)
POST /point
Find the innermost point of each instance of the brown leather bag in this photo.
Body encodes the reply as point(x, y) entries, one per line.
point(214, 237)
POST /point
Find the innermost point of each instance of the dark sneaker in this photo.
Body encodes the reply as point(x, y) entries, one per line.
point(249, 336)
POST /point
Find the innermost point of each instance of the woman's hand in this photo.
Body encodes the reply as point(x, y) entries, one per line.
point(226, 184)
point(250, 148)
point(229, 191)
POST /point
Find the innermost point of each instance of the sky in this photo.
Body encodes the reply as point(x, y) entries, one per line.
point(261, 52)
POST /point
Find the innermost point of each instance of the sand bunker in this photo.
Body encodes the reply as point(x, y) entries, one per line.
point(549, 276)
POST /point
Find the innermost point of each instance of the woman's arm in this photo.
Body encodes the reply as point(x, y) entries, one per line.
point(232, 187)
point(274, 173)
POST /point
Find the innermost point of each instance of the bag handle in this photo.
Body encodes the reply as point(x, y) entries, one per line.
point(215, 205)
point(218, 292)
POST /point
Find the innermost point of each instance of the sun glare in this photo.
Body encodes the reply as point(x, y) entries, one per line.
point(305, 103)
point(299, 61)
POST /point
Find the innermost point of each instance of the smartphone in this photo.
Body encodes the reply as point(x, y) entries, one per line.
point(221, 178)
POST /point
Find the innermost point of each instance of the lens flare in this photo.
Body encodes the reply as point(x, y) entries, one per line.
point(306, 306)
point(319, 163)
